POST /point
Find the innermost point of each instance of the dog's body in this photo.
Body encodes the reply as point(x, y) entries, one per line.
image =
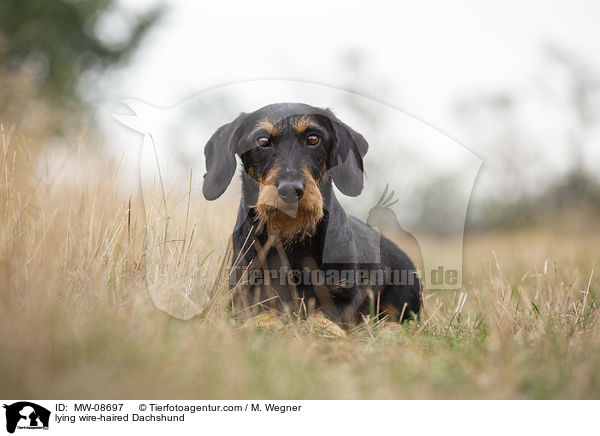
point(290, 222)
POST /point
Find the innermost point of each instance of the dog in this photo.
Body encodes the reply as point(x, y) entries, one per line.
point(292, 233)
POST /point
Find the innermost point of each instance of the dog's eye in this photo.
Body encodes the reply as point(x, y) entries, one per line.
point(312, 139)
point(263, 142)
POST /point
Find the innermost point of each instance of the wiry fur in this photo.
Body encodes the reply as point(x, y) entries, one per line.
point(287, 221)
point(302, 123)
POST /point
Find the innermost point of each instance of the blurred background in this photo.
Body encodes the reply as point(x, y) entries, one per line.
point(501, 98)
point(516, 84)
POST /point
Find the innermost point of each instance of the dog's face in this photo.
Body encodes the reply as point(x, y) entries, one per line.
point(288, 150)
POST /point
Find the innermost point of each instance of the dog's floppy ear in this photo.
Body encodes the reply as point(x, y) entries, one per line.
point(220, 159)
point(346, 160)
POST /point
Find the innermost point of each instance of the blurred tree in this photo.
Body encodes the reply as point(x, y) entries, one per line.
point(524, 185)
point(57, 42)
point(581, 86)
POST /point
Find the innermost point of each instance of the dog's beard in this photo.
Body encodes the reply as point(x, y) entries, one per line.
point(289, 221)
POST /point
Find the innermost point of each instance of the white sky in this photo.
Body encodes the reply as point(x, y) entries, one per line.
point(419, 56)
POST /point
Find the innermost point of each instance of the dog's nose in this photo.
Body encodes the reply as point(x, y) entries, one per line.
point(290, 192)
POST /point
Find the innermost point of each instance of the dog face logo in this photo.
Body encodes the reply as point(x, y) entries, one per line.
point(26, 415)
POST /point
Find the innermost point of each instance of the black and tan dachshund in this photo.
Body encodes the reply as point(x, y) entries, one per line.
point(294, 245)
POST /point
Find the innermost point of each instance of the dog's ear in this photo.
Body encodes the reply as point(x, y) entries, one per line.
point(220, 158)
point(346, 159)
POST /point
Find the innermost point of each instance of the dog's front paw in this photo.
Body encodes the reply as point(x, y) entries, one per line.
point(266, 320)
point(323, 325)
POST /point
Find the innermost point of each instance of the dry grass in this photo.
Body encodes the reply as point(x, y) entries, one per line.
point(77, 320)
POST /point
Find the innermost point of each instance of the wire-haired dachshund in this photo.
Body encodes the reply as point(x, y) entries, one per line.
point(294, 246)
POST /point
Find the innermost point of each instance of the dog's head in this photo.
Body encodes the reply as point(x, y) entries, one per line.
point(287, 150)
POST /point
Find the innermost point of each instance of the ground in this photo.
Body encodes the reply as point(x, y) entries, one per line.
point(77, 321)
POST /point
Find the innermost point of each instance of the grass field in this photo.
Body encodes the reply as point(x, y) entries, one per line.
point(77, 321)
